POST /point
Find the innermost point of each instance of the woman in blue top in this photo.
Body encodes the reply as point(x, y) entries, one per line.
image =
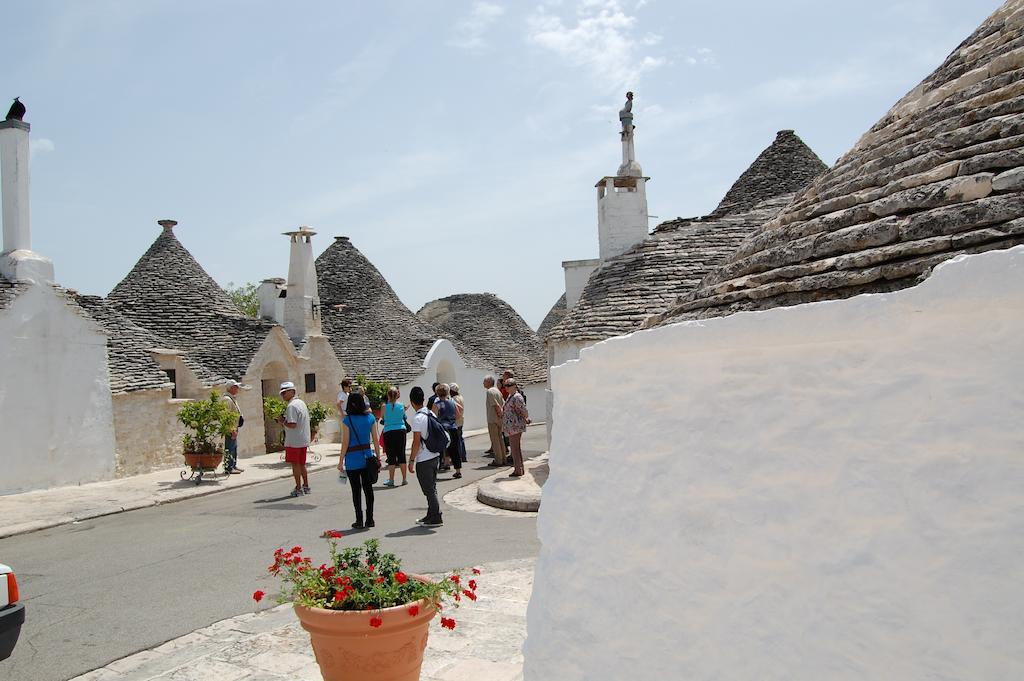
point(394, 436)
point(358, 435)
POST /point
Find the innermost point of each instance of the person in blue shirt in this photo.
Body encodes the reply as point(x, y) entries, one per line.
point(394, 437)
point(358, 436)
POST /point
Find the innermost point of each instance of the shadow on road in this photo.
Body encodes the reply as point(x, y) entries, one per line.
point(417, 531)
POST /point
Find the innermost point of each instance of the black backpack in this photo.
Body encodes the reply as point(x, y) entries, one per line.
point(437, 440)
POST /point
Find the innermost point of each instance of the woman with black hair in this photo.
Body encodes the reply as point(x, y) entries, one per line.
point(358, 435)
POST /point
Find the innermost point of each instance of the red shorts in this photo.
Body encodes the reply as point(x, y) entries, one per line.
point(295, 454)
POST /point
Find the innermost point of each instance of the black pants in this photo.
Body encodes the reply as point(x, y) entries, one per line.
point(359, 481)
point(426, 474)
point(454, 450)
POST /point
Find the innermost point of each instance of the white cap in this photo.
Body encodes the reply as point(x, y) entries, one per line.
point(287, 385)
point(234, 384)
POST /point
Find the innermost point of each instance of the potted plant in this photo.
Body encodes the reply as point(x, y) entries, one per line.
point(376, 393)
point(273, 409)
point(366, 618)
point(209, 422)
point(318, 413)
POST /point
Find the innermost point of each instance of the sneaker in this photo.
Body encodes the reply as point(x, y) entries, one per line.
point(404, 483)
point(433, 523)
point(389, 483)
point(305, 489)
point(457, 475)
point(235, 471)
point(370, 523)
point(421, 521)
point(297, 492)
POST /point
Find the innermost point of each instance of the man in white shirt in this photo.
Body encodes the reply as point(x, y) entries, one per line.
point(296, 437)
point(346, 388)
point(425, 460)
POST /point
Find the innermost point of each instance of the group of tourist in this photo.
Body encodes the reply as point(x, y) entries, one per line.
point(437, 439)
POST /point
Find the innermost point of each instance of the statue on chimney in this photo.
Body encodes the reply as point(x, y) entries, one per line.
point(16, 112)
point(626, 115)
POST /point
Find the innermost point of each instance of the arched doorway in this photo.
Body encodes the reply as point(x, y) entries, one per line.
point(445, 372)
point(273, 433)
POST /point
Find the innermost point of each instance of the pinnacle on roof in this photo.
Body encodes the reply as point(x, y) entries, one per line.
point(492, 329)
point(370, 328)
point(786, 166)
point(941, 174)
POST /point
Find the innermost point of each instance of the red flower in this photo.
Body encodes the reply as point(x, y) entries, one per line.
point(447, 623)
point(413, 610)
point(376, 622)
point(258, 596)
point(369, 567)
point(476, 571)
point(332, 534)
point(469, 594)
point(457, 597)
point(339, 596)
point(472, 584)
point(455, 578)
point(296, 549)
point(380, 580)
point(401, 577)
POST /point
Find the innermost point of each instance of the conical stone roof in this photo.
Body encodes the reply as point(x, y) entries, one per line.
point(552, 318)
point(170, 295)
point(492, 329)
point(372, 332)
point(941, 174)
point(786, 166)
point(648, 278)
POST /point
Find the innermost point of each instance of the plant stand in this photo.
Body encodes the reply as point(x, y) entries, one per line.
point(198, 465)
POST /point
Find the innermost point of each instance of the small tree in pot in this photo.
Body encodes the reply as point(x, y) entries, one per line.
point(209, 421)
point(376, 392)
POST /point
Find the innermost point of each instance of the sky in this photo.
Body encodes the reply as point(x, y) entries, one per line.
point(456, 143)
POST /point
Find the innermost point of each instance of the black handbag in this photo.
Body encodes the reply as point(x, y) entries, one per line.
point(372, 461)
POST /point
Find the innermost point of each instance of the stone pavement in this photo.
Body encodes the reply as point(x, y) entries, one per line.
point(269, 645)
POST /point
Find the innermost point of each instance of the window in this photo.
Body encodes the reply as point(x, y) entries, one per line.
point(172, 376)
point(310, 383)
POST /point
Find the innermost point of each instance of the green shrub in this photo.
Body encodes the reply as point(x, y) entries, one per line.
point(208, 420)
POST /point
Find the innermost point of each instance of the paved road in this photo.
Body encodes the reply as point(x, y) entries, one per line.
point(105, 588)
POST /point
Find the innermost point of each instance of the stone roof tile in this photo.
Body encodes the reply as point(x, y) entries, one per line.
point(170, 295)
point(786, 166)
point(551, 319)
point(372, 332)
point(939, 175)
point(646, 279)
point(493, 330)
point(131, 364)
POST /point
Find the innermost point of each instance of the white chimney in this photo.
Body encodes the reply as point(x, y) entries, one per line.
point(302, 301)
point(622, 198)
point(17, 260)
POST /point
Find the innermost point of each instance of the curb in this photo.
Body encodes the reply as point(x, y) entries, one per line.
point(113, 510)
point(490, 493)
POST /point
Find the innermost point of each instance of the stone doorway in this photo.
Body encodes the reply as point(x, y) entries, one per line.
point(274, 373)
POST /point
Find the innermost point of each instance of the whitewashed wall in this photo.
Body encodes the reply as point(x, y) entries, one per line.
point(829, 491)
point(56, 417)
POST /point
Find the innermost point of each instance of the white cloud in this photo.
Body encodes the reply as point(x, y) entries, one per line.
point(601, 38)
point(469, 31)
point(700, 56)
point(40, 145)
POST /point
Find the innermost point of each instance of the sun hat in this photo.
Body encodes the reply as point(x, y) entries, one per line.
point(286, 386)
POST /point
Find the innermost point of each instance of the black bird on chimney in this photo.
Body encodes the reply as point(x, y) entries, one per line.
point(16, 112)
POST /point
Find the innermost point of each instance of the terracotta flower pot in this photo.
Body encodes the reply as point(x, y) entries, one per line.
point(204, 461)
point(348, 648)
